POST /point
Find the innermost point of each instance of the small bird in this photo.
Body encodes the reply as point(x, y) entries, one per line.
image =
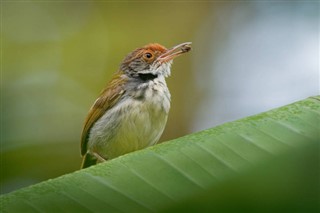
point(131, 112)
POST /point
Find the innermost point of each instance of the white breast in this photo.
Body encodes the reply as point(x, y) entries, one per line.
point(132, 124)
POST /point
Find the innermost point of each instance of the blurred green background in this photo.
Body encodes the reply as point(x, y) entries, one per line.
point(247, 57)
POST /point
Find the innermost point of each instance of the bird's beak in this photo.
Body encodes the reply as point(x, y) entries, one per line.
point(174, 52)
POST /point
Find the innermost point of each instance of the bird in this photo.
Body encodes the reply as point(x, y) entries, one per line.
point(132, 110)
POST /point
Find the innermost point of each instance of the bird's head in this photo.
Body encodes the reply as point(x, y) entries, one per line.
point(152, 59)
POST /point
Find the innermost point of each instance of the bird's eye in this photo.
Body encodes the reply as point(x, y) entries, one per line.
point(148, 55)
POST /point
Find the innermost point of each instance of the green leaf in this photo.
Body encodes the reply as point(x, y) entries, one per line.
point(268, 161)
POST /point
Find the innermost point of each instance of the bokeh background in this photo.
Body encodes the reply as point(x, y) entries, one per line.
point(248, 57)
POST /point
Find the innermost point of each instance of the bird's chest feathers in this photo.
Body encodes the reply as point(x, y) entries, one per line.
point(152, 96)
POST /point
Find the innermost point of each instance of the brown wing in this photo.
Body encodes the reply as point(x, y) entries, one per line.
point(106, 100)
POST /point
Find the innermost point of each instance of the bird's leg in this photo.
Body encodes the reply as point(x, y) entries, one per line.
point(99, 158)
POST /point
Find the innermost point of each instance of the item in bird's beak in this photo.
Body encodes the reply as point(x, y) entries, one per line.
point(186, 48)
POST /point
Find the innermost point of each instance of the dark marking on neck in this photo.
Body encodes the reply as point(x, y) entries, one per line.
point(147, 76)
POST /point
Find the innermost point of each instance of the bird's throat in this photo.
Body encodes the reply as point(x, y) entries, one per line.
point(147, 76)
